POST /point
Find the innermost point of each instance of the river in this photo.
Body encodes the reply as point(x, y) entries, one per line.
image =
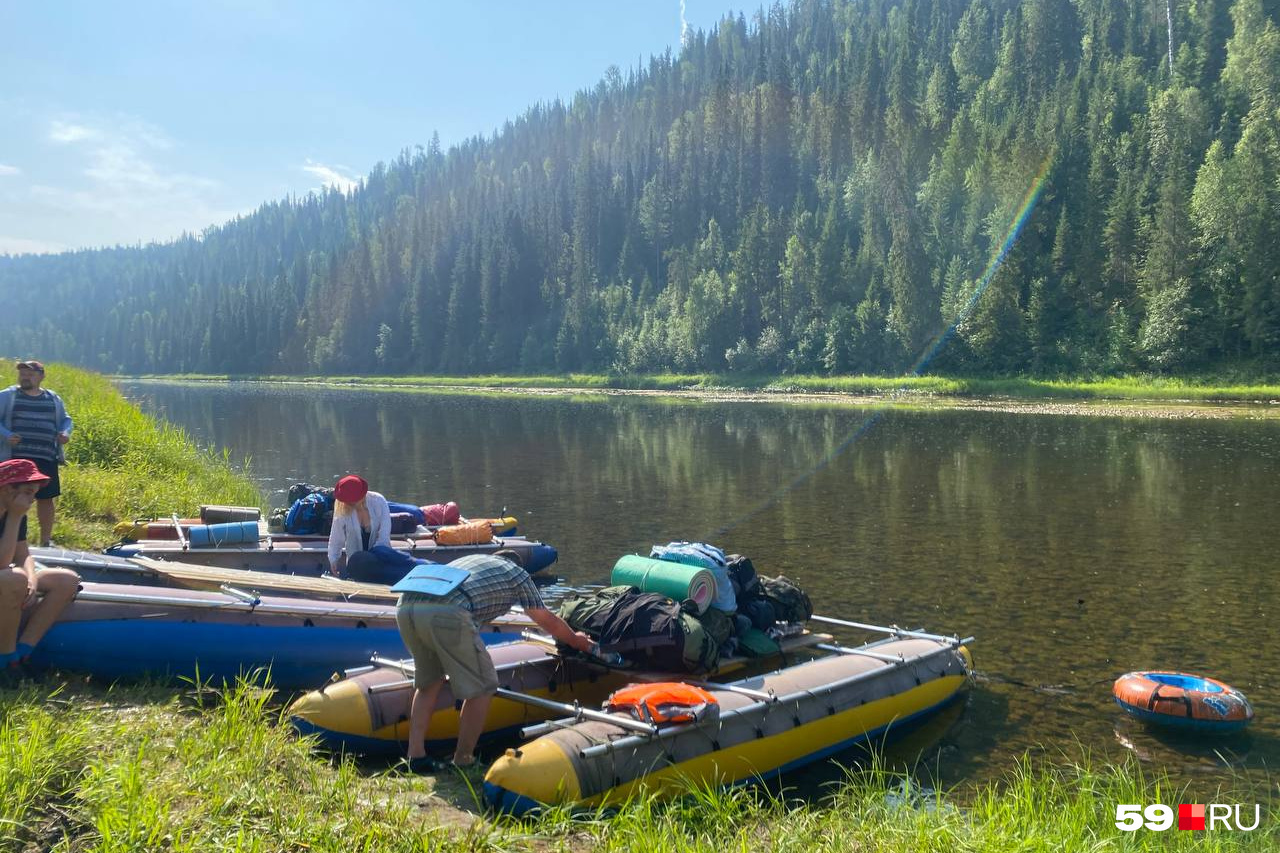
point(1074, 548)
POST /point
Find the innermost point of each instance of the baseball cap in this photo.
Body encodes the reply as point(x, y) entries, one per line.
point(31, 364)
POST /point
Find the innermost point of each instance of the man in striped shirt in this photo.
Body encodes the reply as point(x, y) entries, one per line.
point(34, 425)
point(442, 633)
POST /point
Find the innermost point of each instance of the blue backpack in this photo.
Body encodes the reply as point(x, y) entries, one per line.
point(310, 514)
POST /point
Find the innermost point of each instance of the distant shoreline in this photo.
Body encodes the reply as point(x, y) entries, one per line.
point(1099, 398)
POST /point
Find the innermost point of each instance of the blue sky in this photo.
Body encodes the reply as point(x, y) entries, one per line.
point(127, 122)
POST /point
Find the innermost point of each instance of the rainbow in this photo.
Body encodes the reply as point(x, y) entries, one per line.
point(998, 257)
point(1020, 220)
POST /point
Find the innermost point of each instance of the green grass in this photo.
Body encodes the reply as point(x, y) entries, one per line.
point(123, 464)
point(140, 768)
point(1136, 388)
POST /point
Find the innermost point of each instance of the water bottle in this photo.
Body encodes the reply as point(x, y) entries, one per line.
point(609, 658)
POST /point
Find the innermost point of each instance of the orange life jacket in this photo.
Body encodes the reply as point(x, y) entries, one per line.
point(663, 703)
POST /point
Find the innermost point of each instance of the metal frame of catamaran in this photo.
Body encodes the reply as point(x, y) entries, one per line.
point(575, 713)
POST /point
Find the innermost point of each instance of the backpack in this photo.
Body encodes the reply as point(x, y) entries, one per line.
point(275, 521)
point(650, 630)
point(760, 612)
point(703, 556)
point(790, 602)
point(717, 624)
point(310, 514)
point(664, 703)
point(580, 609)
point(440, 514)
point(742, 573)
point(298, 491)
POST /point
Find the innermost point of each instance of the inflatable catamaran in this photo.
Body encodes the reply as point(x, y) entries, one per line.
point(763, 726)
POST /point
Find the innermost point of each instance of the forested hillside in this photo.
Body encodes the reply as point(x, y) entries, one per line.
point(817, 189)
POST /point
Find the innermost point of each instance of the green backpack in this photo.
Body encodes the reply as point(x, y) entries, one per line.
point(701, 651)
point(665, 638)
point(718, 624)
point(578, 609)
point(790, 602)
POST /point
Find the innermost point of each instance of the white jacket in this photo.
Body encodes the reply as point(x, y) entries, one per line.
point(345, 533)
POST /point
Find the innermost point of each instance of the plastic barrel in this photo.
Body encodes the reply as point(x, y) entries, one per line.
point(540, 556)
point(218, 514)
point(674, 580)
point(216, 535)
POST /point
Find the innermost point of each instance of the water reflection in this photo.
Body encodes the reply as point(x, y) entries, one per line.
point(1075, 548)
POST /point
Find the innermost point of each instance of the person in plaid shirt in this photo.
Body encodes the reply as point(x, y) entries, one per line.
point(443, 635)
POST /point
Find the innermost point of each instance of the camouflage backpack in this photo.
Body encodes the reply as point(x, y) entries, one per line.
point(790, 602)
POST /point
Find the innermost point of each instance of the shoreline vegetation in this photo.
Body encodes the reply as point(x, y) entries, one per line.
point(87, 766)
point(147, 767)
point(908, 388)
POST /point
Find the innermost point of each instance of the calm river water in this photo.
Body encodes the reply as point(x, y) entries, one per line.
point(1074, 548)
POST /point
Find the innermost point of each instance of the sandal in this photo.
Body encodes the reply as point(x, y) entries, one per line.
point(424, 765)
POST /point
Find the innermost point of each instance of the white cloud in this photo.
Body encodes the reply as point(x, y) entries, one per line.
point(119, 187)
point(65, 132)
point(23, 246)
point(7, 170)
point(330, 176)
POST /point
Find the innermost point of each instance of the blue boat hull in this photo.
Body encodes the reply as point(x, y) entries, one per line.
point(115, 631)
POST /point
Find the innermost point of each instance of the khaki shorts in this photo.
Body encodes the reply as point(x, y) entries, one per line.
point(444, 641)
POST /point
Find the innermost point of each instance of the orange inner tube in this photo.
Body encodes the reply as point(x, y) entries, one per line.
point(1141, 690)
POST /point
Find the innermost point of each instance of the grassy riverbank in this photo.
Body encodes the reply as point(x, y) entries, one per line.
point(124, 464)
point(1136, 388)
point(127, 769)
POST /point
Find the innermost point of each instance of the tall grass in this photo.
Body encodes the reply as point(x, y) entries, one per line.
point(123, 464)
point(138, 768)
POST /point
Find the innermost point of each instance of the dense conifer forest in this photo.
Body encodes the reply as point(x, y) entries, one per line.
point(818, 188)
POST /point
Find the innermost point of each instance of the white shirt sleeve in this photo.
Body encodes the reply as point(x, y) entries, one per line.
point(379, 520)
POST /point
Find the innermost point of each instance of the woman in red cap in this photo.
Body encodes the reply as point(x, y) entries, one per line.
point(21, 583)
point(361, 520)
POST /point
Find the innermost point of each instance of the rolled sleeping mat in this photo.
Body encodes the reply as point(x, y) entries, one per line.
point(217, 535)
point(674, 580)
point(135, 530)
point(219, 514)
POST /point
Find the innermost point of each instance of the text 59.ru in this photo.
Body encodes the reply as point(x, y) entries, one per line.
point(1197, 816)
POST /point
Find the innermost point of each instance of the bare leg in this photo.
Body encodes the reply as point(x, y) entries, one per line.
point(424, 705)
point(470, 724)
point(44, 510)
point(59, 586)
point(13, 591)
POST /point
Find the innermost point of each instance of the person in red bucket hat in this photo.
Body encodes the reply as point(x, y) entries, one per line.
point(361, 520)
point(28, 593)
